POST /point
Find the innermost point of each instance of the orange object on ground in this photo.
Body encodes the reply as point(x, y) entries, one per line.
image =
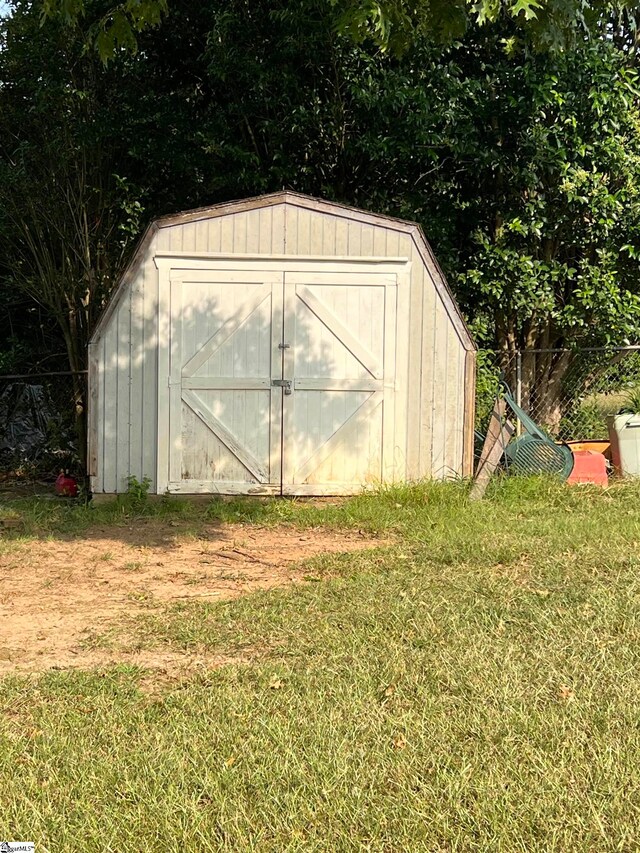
point(588, 467)
point(600, 445)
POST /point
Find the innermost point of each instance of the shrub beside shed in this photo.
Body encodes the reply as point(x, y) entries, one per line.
point(280, 345)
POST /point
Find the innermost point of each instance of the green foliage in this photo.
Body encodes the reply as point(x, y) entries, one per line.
point(392, 25)
point(397, 25)
point(556, 199)
point(587, 420)
point(487, 387)
point(631, 402)
point(113, 31)
point(136, 497)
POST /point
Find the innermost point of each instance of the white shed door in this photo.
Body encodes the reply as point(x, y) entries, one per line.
point(279, 381)
point(225, 415)
point(339, 334)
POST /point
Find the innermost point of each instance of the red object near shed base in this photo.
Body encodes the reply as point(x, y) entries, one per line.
point(588, 467)
point(66, 486)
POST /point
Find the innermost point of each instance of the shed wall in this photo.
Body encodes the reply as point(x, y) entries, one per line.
point(430, 358)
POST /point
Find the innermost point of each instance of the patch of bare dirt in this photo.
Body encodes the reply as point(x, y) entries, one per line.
point(62, 603)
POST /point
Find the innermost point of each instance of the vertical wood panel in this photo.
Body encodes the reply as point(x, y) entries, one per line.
point(214, 235)
point(440, 390)
point(454, 408)
point(379, 242)
point(315, 237)
point(162, 240)
point(99, 482)
point(392, 242)
point(303, 235)
point(402, 389)
point(136, 366)
point(177, 318)
point(428, 391)
point(366, 240)
point(226, 233)
point(278, 229)
point(414, 370)
point(388, 413)
point(469, 413)
point(189, 236)
point(110, 406)
point(329, 235)
point(240, 232)
point(149, 409)
point(354, 245)
point(202, 235)
point(265, 241)
point(162, 423)
point(342, 237)
point(253, 233)
point(175, 238)
point(123, 393)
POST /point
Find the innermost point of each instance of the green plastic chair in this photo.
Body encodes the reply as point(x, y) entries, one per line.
point(534, 452)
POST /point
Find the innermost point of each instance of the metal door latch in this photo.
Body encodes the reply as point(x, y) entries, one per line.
point(282, 383)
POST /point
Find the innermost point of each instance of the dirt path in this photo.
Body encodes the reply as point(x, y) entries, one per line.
point(59, 599)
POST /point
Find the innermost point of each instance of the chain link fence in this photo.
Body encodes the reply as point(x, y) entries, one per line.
point(569, 393)
point(37, 424)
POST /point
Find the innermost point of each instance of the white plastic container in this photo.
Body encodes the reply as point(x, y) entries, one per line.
point(624, 433)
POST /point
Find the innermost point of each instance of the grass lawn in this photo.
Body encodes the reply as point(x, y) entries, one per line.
point(473, 687)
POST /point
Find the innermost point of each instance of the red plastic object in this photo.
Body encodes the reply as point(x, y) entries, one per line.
point(588, 467)
point(66, 485)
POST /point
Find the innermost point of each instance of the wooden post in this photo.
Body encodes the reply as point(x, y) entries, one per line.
point(498, 435)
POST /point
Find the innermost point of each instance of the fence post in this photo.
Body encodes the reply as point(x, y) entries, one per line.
point(518, 388)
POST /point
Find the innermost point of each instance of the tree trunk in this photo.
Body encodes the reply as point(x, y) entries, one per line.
point(544, 367)
point(550, 403)
point(76, 350)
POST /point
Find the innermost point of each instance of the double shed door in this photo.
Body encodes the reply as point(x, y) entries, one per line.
point(280, 381)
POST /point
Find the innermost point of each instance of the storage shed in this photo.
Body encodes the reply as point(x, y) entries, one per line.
point(280, 345)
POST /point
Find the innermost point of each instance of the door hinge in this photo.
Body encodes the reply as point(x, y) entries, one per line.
point(284, 346)
point(282, 383)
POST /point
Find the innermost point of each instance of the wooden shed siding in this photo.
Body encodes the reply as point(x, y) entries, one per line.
point(149, 369)
point(136, 357)
point(431, 419)
point(452, 411)
point(414, 371)
point(440, 391)
point(126, 392)
point(123, 386)
point(258, 231)
point(110, 406)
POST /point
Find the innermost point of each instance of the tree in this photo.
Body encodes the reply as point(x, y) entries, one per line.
point(66, 215)
point(547, 179)
point(397, 25)
point(111, 27)
point(391, 25)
